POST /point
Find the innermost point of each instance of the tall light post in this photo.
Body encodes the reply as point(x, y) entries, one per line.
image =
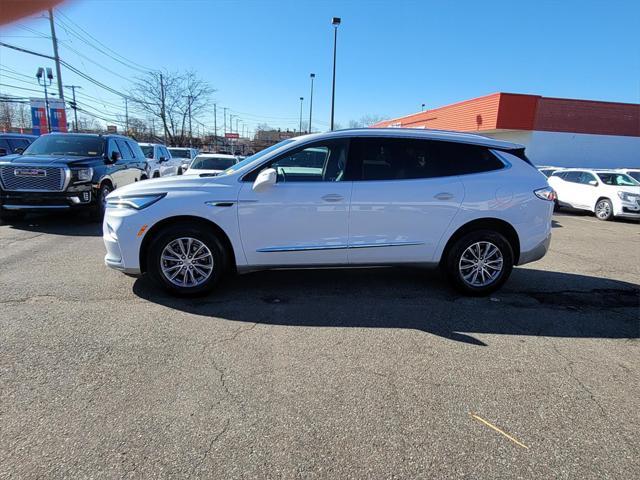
point(301, 100)
point(335, 21)
point(312, 76)
point(423, 105)
point(74, 105)
point(40, 74)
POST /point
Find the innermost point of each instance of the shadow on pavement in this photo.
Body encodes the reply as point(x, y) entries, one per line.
point(63, 223)
point(533, 302)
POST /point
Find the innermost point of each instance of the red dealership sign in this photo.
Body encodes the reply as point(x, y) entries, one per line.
point(231, 135)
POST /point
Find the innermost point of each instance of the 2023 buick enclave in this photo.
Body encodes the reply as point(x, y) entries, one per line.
point(472, 205)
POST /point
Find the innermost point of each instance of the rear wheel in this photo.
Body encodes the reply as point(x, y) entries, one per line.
point(604, 209)
point(186, 260)
point(479, 262)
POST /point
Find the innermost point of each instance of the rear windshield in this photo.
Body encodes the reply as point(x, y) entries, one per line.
point(212, 163)
point(180, 152)
point(67, 145)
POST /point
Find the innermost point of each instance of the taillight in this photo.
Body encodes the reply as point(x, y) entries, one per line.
point(546, 193)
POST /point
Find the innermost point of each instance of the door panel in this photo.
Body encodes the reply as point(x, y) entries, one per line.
point(397, 221)
point(303, 218)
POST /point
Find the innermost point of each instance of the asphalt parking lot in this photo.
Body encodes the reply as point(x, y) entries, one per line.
point(319, 374)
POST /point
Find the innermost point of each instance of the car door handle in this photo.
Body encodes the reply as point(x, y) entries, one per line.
point(332, 197)
point(444, 196)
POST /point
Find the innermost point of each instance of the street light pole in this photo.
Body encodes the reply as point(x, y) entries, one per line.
point(313, 75)
point(49, 76)
point(335, 22)
point(301, 100)
point(423, 105)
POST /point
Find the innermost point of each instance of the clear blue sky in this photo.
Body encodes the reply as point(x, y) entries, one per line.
point(392, 55)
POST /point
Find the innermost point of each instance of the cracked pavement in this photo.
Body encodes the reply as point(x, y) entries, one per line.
point(364, 373)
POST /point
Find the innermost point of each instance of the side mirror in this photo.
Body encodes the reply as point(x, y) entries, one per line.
point(162, 159)
point(115, 156)
point(19, 150)
point(593, 183)
point(265, 179)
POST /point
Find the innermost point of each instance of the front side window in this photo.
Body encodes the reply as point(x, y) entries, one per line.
point(125, 150)
point(113, 148)
point(67, 145)
point(373, 158)
point(617, 179)
point(319, 162)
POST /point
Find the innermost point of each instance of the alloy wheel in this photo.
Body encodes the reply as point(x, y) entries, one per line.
point(480, 264)
point(186, 262)
point(603, 209)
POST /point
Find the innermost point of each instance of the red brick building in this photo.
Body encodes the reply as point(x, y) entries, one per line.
point(556, 131)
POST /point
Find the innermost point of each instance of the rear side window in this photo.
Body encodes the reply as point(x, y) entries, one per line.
point(400, 159)
point(573, 177)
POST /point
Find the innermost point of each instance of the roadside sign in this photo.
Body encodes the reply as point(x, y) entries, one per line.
point(231, 135)
point(112, 129)
point(57, 116)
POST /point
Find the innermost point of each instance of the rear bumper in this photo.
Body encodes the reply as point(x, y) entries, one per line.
point(47, 201)
point(536, 253)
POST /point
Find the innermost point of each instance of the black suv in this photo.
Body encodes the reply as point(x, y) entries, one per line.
point(14, 143)
point(62, 171)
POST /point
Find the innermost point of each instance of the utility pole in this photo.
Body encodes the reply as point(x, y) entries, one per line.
point(189, 97)
point(224, 117)
point(56, 57)
point(335, 22)
point(126, 115)
point(74, 105)
point(215, 127)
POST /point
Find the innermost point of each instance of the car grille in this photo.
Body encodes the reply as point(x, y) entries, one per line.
point(16, 178)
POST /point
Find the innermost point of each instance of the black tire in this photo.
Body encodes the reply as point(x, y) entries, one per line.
point(11, 215)
point(604, 209)
point(97, 211)
point(180, 171)
point(202, 234)
point(156, 175)
point(452, 263)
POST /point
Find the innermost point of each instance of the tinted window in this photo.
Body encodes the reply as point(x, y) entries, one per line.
point(165, 153)
point(319, 162)
point(124, 149)
point(212, 163)
point(67, 144)
point(4, 145)
point(147, 151)
point(135, 149)
point(573, 177)
point(18, 143)
point(617, 179)
point(399, 158)
point(113, 147)
point(180, 152)
point(586, 177)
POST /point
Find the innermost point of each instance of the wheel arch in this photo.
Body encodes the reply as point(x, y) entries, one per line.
point(495, 224)
point(191, 220)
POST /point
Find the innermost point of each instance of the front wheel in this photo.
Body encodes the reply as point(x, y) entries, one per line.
point(186, 260)
point(479, 262)
point(97, 212)
point(604, 209)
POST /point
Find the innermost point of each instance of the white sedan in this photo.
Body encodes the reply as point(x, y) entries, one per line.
point(211, 164)
point(366, 197)
point(607, 193)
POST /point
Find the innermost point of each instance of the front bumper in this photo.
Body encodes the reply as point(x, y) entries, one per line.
point(628, 210)
point(78, 197)
point(122, 238)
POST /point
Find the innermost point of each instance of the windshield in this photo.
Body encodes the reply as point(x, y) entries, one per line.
point(180, 152)
point(212, 163)
point(147, 150)
point(617, 179)
point(72, 145)
point(255, 157)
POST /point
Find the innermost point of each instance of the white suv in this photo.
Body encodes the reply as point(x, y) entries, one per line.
point(184, 154)
point(160, 163)
point(473, 205)
point(607, 193)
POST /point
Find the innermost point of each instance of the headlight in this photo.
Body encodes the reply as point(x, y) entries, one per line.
point(82, 174)
point(628, 197)
point(137, 202)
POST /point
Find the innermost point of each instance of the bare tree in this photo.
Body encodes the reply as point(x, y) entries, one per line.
point(365, 121)
point(170, 97)
point(14, 114)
